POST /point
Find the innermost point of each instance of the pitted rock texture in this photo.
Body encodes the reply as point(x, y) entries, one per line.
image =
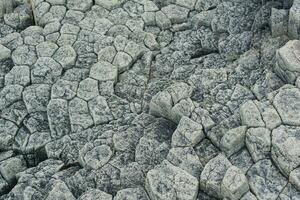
point(149, 99)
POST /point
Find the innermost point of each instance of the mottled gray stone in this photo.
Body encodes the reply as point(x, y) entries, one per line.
point(162, 21)
point(175, 13)
point(100, 110)
point(79, 5)
point(131, 194)
point(10, 167)
point(36, 97)
point(95, 194)
point(294, 178)
point(250, 115)
point(265, 181)
point(10, 94)
point(294, 20)
point(19, 75)
point(107, 54)
point(258, 142)
point(64, 89)
point(88, 89)
point(279, 22)
point(66, 56)
point(104, 71)
point(123, 61)
point(46, 49)
point(233, 140)
point(166, 181)
point(8, 130)
point(24, 55)
point(60, 191)
point(109, 4)
point(285, 148)
point(188, 133)
point(4, 53)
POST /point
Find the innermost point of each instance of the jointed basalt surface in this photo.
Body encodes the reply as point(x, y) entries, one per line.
point(150, 100)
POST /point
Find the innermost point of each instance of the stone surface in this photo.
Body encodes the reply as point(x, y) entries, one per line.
point(104, 71)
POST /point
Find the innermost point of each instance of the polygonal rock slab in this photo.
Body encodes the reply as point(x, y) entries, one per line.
point(18, 75)
point(4, 53)
point(36, 97)
point(294, 20)
point(109, 4)
point(234, 184)
point(104, 71)
point(60, 191)
point(10, 94)
point(66, 56)
point(79, 5)
point(64, 89)
point(131, 194)
point(123, 61)
point(287, 104)
point(92, 194)
point(10, 167)
point(294, 178)
point(167, 182)
point(250, 115)
point(258, 142)
point(188, 133)
point(213, 174)
point(107, 54)
point(286, 148)
point(94, 157)
point(233, 140)
point(175, 13)
point(265, 180)
point(88, 89)
point(100, 110)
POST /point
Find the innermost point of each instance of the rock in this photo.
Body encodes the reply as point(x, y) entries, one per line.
point(162, 21)
point(64, 89)
point(5, 53)
point(249, 196)
point(107, 54)
point(95, 194)
point(10, 94)
point(79, 5)
point(18, 75)
point(88, 89)
point(188, 133)
point(234, 184)
point(265, 181)
point(46, 49)
point(186, 159)
point(123, 61)
point(58, 117)
point(36, 97)
point(258, 142)
point(213, 174)
point(79, 115)
point(131, 194)
point(175, 13)
point(242, 160)
point(294, 20)
point(233, 140)
point(60, 191)
point(294, 178)
point(10, 167)
point(279, 22)
point(203, 5)
point(100, 110)
point(24, 55)
point(66, 56)
point(285, 157)
point(109, 4)
point(132, 175)
point(166, 181)
point(104, 71)
point(46, 70)
point(94, 157)
point(287, 105)
point(8, 130)
point(190, 4)
point(250, 115)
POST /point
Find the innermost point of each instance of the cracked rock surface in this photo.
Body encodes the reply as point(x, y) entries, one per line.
point(149, 99)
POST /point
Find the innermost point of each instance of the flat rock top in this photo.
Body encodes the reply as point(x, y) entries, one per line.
point(149, 100)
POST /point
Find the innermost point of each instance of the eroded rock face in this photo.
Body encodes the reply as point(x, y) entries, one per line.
point(148, 100)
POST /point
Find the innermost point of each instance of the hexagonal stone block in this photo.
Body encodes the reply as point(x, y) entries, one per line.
point(58, 117)
point(46, 49)
point(24, 55)
point(19, 75)
point(94, 157)
point(188, 133)
point(287, 105)
point(286, 148)
point(66, 56)
point(36, 97)
point(107, 54)
point(4, 53)
point(234, 184)
point(104, 71)
point(258, 142)
point(250, 115)
point(265, 180)
point(100, 110)
point(88, 89)
point(166, 182)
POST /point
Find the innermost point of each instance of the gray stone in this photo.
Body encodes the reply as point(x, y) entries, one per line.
point(24, 55)
point(132, 175)
point(10, 94)
point(294, 178)
point(234, 184)
point(10, 167)
point(294, 20)
point(213, 174)
point(188, 133)
point(79, 115)
point(88, 89)
point(19, 75)
point(64, 89)
point(131, 194)
point(279, 22)
point(100, 110)
point(167, 182)
point(285, 148)
point(104, 71)
point(107, 54)
point(79, 5)
point(123, 61)
point(186, 159)
point(36, 97)
point(265, 181)
point(94, 157)
point(258, 142)
point(162, 21)
point(58, 117)
point(95, 194)
point(250, 115)
point(176, 14)
point(60, 191)
point(249, 196)
point(66, 56)
point(287, 105)
point(190, 4)
point(109, 4)
point(233, 140)
point(8, 130)
point(5, 53)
